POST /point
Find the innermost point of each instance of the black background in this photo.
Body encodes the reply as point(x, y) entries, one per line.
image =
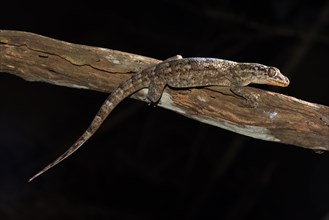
point(150, 163)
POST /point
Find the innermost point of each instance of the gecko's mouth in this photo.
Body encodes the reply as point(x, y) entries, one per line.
point(281, 81)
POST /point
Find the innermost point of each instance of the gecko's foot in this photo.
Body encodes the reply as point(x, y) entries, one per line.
point(250, 100)
point(251, 103)
point(154, 104)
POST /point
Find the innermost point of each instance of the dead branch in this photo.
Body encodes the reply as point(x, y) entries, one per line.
point(278, 117)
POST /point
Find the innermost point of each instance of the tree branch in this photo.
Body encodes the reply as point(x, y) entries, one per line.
point(278, 117)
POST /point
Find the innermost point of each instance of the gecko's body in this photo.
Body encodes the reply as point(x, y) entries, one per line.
point(177, 72)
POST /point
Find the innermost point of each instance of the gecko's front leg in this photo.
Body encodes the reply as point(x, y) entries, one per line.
point(250, 99)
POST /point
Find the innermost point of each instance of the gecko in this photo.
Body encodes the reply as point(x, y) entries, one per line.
point(179, 72)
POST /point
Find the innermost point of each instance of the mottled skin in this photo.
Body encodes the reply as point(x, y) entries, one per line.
point(177, 72)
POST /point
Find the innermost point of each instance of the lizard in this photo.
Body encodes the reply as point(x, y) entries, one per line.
point(178, 72)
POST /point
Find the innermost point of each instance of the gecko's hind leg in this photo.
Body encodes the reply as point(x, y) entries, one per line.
point(157, 85)
point(155, 92)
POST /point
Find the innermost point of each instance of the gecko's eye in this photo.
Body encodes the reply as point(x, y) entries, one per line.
point(271, 72)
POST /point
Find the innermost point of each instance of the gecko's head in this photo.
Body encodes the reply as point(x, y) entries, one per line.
point(262, 74)
point(273, 76)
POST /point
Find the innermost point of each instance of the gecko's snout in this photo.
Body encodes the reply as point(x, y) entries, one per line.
point(274, 77)
point(285, 80)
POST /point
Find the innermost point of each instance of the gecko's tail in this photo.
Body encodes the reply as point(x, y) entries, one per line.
point(104, 111)
point(70, 151)
point(128, 87)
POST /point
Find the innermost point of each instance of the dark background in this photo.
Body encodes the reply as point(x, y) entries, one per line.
point(150, 163)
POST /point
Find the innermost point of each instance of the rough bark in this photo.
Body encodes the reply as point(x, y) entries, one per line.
point(277, 117)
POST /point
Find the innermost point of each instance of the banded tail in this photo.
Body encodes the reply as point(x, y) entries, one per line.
point(128, 87)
